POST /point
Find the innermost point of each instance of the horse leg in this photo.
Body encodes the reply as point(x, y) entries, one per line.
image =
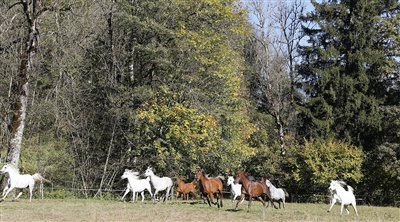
point(154, 197)
point(240, 200)
point(220, 197)
point(126, 192)
point(354, 207)
point(15, 198)
point(283, 203)
point(271, 200)
point(341, 209)
point(211, 198)
point(133, 196)
point(149, 189)
point(167, 194)
point(248, 206)
point(346, 208)
point(7, 192)
point(333, 201)
point(142, 193)
point(262, 201)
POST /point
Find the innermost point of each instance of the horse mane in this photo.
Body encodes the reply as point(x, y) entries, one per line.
point(341, 183)
point(344, 185)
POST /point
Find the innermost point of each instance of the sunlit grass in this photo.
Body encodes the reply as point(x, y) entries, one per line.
point(107, 210)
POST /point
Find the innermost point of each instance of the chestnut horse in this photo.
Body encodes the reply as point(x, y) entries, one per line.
point(186, 188)
point(252, 189)
point(209, 186)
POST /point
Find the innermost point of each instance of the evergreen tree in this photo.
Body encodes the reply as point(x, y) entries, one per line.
point(348, 68)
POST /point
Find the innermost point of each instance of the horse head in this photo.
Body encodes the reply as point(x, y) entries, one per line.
point(230, 181)
point(7, 168)
point(199, 173)
point(268, 183)
point(126, 174)
point(149, 172)
point(335, 184)
point(240, 175)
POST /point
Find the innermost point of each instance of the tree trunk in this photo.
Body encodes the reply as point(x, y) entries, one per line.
point(31, 13)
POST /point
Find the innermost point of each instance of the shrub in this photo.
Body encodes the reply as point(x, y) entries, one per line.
point(320, 161)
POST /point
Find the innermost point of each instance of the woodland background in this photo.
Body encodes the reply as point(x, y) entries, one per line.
point(89, 88)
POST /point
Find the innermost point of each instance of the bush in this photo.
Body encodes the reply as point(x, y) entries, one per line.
point(48, 156)
point(320, 161)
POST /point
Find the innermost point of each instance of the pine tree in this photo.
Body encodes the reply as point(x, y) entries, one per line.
point(348, 67)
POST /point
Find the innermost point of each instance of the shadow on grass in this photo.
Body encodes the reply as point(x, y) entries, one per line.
point(233, 210)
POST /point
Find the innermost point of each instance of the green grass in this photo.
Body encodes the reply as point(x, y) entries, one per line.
point(107, 210)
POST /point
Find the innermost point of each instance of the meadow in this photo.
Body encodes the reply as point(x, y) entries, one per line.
point(112, 210)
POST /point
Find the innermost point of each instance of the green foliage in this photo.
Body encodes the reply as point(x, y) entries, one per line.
point(59, 193)
point(48, 156)
point(320, 161)
point(180, 137)
point(346, 66)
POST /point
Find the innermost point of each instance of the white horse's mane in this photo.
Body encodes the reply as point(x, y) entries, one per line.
point(134, 174)
point(341, 183)
point(344, 185)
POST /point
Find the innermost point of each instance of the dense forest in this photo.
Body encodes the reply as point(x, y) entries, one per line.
point(298, 95)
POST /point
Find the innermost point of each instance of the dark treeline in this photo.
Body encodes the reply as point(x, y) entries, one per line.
point(89, 88)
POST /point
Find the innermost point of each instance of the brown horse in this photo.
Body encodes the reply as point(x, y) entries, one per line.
point(252, 189)
point(186, 188)
point(209, 186)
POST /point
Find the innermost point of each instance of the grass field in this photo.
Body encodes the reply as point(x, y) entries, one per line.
point(108, 210)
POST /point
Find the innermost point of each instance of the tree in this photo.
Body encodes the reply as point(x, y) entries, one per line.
point(32, 12)
point(348, 66)
point(321, 161)
point(272, 59)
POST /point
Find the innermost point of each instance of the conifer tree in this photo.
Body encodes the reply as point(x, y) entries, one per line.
point(348, 66)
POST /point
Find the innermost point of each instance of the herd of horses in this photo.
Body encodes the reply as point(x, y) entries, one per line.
point(241, 186)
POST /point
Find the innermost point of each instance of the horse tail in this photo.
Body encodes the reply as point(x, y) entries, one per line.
point(351, 190)
point(38, 177)
point(286, 193)
point(172, 192)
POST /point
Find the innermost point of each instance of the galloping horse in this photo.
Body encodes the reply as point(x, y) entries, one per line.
point(185, 188)
point(159, 184)
point(209, 186)
point(236, 189)
point(18, 180)
point(135, 184)
point(252, 189)
point(342, 196)
point(277, 194)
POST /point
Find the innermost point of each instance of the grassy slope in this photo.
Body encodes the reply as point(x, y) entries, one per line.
point(102, 210)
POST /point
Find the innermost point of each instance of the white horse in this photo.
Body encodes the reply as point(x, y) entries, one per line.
point(159, 184)
point(277, 194)
point(135, 184)
point(342, 196)
point(236, 189)
point(16, 180)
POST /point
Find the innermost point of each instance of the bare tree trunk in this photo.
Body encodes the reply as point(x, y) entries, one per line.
point(281, 134)
point(106, 163)
point(31, 11)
